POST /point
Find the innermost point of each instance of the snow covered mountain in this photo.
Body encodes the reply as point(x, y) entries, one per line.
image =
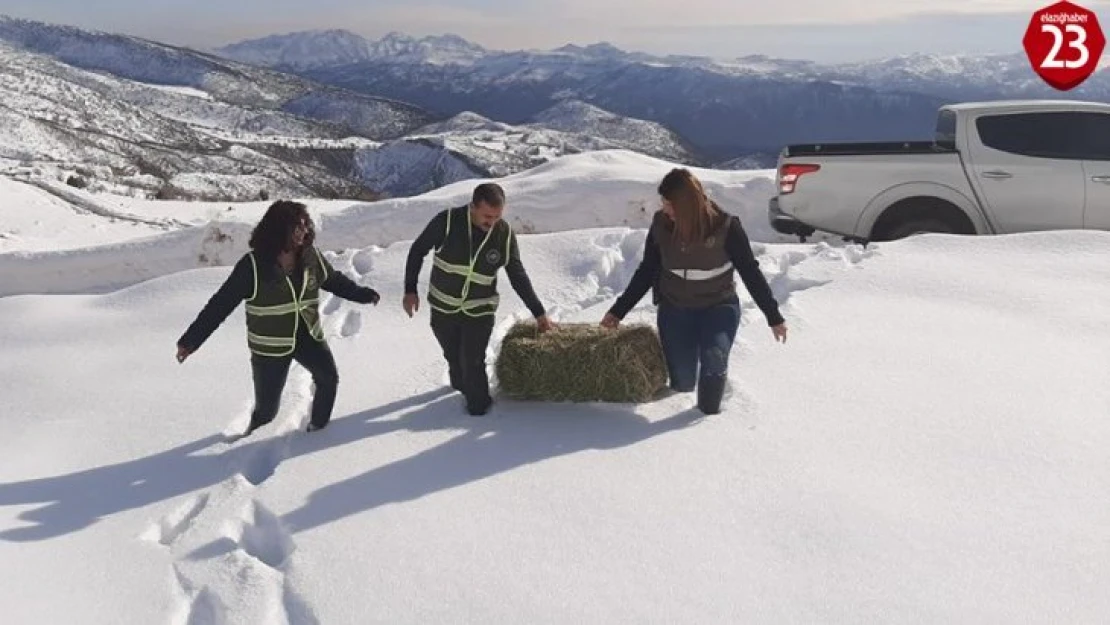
point(336, 47)
point(137, 117)
point(726, 108)
point(471, 146)
point(302, 50)
point(327, 48)
point(639, 135)
point(119, 135)
point(108, 133)
point(965, 77)
point(132, 116)
point(723, 115)
point(141, 117)
point(230, 82)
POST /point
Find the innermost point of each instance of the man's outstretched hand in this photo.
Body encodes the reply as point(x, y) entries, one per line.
point(411, 303)
point(544, 323)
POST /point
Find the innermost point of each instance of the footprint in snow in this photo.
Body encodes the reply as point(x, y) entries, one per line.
point(331, 306)
point(363, 262)
point(170, 527)
point(264, 538)
point(352, 324)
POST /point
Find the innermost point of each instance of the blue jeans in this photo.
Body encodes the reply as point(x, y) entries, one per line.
point(697, 336)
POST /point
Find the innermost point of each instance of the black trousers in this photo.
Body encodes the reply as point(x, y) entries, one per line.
point(270, 374)
point(464, 341)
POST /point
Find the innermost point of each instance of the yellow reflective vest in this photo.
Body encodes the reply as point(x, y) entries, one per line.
point(464, 279)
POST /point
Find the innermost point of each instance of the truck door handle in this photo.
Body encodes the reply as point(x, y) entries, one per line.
point(1100, 178)
point(998, 175)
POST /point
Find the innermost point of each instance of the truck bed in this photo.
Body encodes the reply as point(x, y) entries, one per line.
point(836, 195)
point(865, 148)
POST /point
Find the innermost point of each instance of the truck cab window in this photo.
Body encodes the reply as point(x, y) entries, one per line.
point(1096, 136)
point(1044, 135)
point(946, 129)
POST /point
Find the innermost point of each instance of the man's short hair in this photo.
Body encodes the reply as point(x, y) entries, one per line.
point(488, 193)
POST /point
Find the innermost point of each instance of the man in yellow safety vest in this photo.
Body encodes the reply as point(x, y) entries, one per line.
point(471, 243)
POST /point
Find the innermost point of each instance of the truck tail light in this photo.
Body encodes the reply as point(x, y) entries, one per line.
point(791, 172)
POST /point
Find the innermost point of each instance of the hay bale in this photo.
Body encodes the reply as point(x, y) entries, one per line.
point(581, 362)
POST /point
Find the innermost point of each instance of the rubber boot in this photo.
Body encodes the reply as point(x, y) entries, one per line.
point(711, 389)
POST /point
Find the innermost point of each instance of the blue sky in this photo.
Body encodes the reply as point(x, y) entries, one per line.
point(828, 30)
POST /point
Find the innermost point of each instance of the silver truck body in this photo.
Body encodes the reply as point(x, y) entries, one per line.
point(993, 168)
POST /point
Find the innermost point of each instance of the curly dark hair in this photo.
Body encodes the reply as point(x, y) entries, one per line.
point(273, 232)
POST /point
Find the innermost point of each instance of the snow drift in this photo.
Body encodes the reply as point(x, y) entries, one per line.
point(928, 446)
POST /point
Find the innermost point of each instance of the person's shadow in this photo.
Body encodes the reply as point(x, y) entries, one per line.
point(517, 434)
point(513, 435)
point(75, 501)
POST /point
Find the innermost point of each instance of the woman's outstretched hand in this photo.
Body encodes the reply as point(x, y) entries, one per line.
point(183, 353)
point(780, 332)
point(610, 321)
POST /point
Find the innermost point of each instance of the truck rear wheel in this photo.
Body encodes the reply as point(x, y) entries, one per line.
point(919, 226)
point(919, 215)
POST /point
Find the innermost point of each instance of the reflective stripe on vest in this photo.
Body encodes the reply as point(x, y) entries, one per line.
point(265, 344)
point(702, 274)
point(449, 303)
point(461, 305)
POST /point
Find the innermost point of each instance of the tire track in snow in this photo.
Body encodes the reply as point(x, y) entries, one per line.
point(231, 555)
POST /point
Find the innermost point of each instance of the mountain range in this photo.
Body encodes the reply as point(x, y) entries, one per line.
point(141, 117)
point(333, 114)
point(726, 108)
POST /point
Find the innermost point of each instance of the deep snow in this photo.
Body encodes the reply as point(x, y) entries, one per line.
point(927, 447)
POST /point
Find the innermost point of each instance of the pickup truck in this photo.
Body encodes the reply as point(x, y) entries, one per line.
point(992, 168)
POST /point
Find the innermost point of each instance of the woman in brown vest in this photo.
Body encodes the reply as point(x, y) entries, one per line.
point(692, 249)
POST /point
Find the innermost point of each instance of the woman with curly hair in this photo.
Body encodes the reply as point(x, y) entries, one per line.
point(692, 253)
point(280, 280)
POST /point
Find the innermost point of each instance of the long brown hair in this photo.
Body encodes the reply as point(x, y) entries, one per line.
point(693, 212)
point(272, 233)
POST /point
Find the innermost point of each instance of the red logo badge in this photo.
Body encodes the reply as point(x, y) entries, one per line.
point(1064, 44)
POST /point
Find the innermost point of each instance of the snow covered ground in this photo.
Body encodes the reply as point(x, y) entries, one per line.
point(51, 251)
point(927, 447)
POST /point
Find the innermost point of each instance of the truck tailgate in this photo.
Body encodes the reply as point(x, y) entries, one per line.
point(833, 194)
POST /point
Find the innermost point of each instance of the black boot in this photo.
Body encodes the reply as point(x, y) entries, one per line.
point(711, 389)
point(478, 407)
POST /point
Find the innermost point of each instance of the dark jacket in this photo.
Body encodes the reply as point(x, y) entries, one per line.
point(239, 286)
point(433, 237)
point(672, 290)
